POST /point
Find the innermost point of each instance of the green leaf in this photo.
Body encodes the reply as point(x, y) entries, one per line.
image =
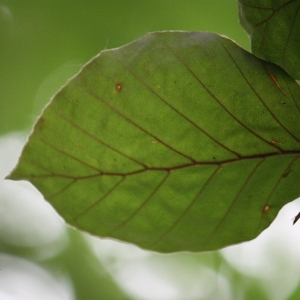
point(176, 141)
point(274, 30)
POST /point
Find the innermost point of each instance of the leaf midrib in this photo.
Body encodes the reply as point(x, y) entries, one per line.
point(171, 168)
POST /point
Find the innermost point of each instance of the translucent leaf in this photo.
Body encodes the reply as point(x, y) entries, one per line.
point(274, 30)
point(176, 141)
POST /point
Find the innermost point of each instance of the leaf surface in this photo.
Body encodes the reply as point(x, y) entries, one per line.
point(274, 31)
point(176, 141)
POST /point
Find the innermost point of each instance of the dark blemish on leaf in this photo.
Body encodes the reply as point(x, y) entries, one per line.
point(119, 87)
point(276, 82)
point(282, 102)
point(266, 208)
point(297, 217)
point(286, 173)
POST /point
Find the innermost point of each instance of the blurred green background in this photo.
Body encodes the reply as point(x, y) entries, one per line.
point(42, 44)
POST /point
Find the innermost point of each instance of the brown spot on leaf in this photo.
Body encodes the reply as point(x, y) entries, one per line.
point(119, 87)
point(276, 82)
point(266, 208)
point(275, 143)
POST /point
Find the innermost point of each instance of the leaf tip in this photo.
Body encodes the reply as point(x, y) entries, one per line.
point(10, 176)
point(14, 174)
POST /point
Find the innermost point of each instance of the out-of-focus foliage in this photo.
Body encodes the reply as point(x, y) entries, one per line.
point(43, 43)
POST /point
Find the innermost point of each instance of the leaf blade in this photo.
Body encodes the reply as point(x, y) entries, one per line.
point(170, 141)
point(273, 29)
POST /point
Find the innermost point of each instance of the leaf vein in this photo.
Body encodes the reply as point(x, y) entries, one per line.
point(133, 123)
point(281, 176)
point(61, 191)
point(98, 140)
point(188, 208)
point(261, 100)
point(235, 199)
point(124, 223)
point(219, 102)
point(88, 209)
point(69, 155)
point(289, 35)
point(177, 111)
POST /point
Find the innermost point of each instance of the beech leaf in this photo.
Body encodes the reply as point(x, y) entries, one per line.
point(273, 28)
point(176, 141)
